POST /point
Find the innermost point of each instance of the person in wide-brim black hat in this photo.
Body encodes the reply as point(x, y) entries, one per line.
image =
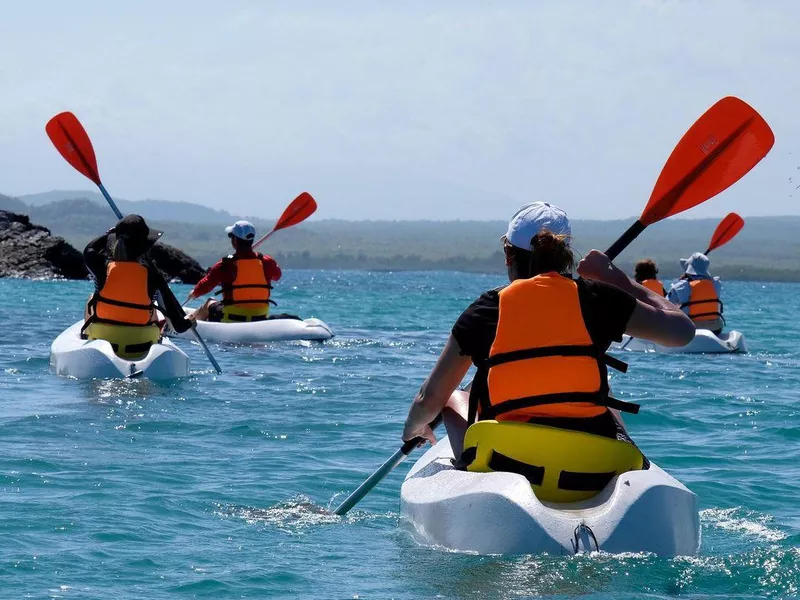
point(122, 310)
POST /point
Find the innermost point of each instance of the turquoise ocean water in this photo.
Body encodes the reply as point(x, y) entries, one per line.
point(216, 486)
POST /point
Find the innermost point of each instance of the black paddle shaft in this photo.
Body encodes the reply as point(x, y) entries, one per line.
point(625, 239)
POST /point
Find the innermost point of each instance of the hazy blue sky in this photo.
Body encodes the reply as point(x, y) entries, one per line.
point(399, 110)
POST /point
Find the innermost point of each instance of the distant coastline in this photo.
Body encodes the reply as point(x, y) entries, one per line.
point(768, 249)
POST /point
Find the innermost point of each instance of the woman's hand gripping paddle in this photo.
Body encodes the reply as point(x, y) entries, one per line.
point(717, 151)
point(382, 471)
point(73, 143)
point(727, 229)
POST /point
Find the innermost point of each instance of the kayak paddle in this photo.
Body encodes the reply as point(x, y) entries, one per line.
point(73, 143)
point(722, 146)
point(298, 211)
point(725, 231)
point(386, 468)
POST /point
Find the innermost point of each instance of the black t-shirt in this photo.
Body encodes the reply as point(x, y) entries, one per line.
point(606, 311)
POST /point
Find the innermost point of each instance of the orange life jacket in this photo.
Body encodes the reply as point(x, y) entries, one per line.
point(654, 285)
point(543, 362)
point(250, 287)
point(124, 298)
point(703, 304)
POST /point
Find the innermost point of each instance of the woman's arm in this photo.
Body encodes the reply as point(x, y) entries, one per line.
point(94, 255)
point(432, 397)
point(655, 318)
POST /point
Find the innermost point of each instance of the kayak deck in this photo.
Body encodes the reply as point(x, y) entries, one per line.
point(84, 359)
point(704, 342)
point(271, 330)
point(498, 513)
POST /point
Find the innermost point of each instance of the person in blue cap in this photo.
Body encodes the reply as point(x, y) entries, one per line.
point(698, 294)
point(245, 278)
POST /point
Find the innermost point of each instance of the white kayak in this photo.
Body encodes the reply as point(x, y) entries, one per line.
point(271, 330)
point(75, 357)
point(704, 342)
point(498, 513)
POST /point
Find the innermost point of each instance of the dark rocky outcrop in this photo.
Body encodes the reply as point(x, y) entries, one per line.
point(30, 251)
point(175, 264)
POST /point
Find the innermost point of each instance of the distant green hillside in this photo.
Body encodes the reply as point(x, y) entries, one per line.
point(767, 249)
point(162, 210)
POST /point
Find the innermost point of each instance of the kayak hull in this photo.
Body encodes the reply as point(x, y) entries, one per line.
point(83, 359)
point(271, 330)
point(498, 513)
point(704, 342)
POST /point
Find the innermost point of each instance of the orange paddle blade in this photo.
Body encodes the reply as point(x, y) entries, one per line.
point(298, 211)
point(725, 231)
point(71, 140)
point(718, 150)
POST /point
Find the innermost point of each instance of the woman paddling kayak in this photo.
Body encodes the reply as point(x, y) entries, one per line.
point(121, 310)
point(539, 343)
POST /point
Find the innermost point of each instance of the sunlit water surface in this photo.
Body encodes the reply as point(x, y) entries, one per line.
point(219, 486)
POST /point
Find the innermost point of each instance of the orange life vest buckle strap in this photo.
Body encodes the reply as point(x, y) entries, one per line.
point(227, 286)
point(102, 298)
point(590, 351)
point(530, 401)
point(695, 302)
point(528, 353)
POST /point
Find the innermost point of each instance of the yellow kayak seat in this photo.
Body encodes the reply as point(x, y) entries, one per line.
point(562, 465)
point(244, 314)
point(128, 341)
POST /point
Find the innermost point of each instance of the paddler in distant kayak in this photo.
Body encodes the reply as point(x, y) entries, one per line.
point(539, 343)
point(646, 273)
point(246, 280)
point(122, 309)
point(698, 294)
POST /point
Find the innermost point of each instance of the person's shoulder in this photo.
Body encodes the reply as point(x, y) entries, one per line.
point(491, 296)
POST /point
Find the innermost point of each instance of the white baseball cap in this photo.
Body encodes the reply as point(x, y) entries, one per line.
point(243, 230)
point(532, 219)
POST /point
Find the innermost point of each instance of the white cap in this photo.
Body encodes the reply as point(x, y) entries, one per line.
point(243, 230)
point(532, 219)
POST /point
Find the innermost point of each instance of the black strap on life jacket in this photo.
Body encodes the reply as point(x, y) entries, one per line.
point(491, 411)
point(715, 314)
point(98, 297)
point(590, 351)
point(692, 302)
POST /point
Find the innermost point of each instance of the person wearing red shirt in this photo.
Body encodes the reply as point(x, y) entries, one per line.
point(245, 278)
